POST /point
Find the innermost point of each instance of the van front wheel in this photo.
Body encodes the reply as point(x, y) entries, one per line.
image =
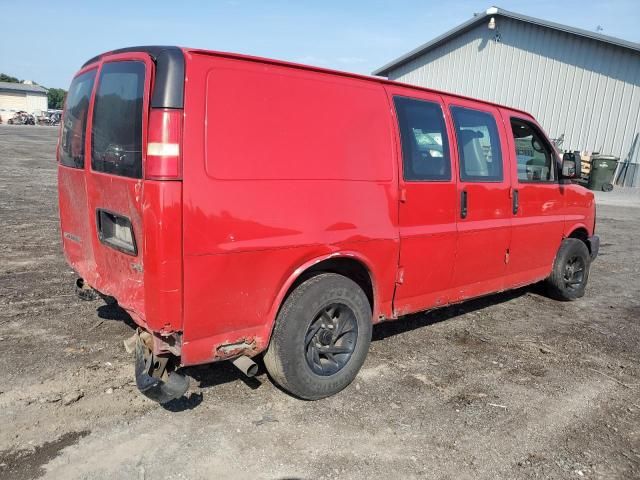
point(568, 279)
point(321, 337)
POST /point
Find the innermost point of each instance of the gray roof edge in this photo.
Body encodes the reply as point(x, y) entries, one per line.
point(23, 87)
point(492, 12)
point(416, 52)
point(573, 30)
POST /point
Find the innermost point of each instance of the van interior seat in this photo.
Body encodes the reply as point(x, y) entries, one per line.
point(424, 164)
point(475, 163)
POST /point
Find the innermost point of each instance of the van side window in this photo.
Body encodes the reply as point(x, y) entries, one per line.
point(536, 162)
point(74, 123)
point(116, 137)
point(425, 148)
point(478, 145)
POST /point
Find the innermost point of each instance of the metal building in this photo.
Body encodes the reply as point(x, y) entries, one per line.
point(578, 84)
point(21, 96)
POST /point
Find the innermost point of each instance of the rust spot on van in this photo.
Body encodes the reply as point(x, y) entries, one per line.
point(245, 346)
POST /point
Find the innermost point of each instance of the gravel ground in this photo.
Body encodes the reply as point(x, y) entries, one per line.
point(510, 386)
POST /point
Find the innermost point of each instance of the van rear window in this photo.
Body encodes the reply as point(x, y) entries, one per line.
point(116, 138)
point(74, 122)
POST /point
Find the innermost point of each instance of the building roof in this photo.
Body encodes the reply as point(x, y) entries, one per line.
point(499, 12)
point(22, 87)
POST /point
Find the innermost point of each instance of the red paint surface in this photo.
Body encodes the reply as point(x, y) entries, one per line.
point(283, 167)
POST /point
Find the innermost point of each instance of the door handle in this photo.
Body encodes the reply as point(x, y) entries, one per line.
point(463, 204)
point(516, 202)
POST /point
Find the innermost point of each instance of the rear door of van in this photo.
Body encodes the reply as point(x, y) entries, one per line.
point(100, 177)
point(114, 176)
point(72, 181)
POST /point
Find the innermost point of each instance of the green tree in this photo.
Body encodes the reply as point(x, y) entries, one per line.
point(8, 78)
point(55, 97)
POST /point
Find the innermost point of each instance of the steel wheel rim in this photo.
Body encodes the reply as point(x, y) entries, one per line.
point(331, 339)
point(574, 271)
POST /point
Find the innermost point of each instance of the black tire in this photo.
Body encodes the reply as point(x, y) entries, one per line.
point(570, 273)
point(323, 300)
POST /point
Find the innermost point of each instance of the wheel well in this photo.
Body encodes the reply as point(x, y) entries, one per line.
point(581, 234)
point(347, 267)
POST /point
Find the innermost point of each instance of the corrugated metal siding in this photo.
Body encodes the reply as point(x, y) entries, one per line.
point(36, 104)
point(587, 90)
point(11, 102)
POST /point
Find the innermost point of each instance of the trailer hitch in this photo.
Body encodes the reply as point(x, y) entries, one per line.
point(155, 376)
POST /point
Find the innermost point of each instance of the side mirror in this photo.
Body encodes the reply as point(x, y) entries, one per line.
point(571, 165)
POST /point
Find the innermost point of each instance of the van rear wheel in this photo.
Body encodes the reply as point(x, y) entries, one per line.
point(570, 274)
point(321, 337)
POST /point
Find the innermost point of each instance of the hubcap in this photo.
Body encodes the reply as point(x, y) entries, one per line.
point(574, 271)
point(331, 339)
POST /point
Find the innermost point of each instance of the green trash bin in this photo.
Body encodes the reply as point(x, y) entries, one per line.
point(602, 169)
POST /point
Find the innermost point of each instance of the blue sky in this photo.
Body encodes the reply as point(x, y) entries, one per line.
point(48, 41)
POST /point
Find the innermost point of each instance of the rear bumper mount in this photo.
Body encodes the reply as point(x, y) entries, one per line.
point(154, 377)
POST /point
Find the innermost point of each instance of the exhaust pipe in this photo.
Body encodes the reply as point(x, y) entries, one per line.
point(85, 292)
point(89, 294)
point(246, 365)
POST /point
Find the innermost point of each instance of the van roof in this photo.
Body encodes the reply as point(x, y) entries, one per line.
point(169, 53)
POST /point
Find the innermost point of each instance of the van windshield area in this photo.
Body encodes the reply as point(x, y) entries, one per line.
point(116, 140)
point(74, 123)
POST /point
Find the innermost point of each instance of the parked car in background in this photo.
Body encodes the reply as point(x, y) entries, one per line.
point(268, 208)
point(49, 118)
point(22, 118)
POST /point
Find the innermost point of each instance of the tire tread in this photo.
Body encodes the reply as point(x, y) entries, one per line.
point(281, 362)
point(555, 283)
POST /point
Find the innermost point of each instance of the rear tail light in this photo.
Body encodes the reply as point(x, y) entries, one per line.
point(164, 144)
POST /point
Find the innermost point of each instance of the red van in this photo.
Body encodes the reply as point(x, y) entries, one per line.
point(236, 206)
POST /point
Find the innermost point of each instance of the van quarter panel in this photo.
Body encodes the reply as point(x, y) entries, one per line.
point(288, 167)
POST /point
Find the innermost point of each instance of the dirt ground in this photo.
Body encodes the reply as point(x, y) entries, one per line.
point(511, 386)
